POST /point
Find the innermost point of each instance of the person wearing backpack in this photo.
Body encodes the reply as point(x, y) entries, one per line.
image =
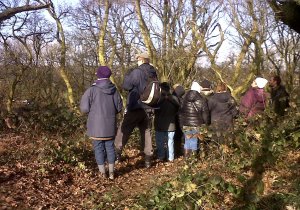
point(137, 113)
point(102, 102)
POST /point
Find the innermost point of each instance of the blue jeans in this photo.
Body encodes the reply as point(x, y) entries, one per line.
point(102, 148)
point(192, 142)
point(165, 144)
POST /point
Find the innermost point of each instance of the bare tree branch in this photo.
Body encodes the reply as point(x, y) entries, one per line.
point(10, 12)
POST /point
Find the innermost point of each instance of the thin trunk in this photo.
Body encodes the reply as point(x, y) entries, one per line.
point(62, 60)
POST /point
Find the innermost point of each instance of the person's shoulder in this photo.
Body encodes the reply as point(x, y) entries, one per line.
point(282, 87)
point(200, 97)
point(135, 72)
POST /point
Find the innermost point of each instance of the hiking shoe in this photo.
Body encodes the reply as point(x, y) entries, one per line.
point(147, 161)
point(147, 164)
point(118, 156)
point(111, 176)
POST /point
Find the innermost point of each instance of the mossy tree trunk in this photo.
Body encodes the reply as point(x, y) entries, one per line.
point(62, 58)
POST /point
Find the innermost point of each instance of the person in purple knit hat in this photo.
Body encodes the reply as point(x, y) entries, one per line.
point(102, 102)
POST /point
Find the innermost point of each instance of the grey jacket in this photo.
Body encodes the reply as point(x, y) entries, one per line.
point(223, 109)
point(102, 102)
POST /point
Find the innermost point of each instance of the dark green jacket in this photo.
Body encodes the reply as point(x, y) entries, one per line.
point(279, 100)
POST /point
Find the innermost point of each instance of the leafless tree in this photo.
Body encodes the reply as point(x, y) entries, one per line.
point(8, 11)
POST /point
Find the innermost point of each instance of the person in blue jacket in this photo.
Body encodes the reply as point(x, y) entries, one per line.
point(102, 102)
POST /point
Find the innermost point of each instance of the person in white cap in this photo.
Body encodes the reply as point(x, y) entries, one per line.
point(137, 114)
point(193, 114)
point(254, 100)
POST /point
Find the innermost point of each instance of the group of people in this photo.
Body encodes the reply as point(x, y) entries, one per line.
point(178, 114)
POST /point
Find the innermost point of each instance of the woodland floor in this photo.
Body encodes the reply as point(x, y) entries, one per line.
point(29, 183)
point(26, 183)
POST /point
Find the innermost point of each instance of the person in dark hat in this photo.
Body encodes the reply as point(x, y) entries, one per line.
point(164, 123)
point(206, 88)
point(102, 102)
point(178, 91)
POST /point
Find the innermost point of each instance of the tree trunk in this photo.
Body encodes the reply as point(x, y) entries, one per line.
point(62, 60)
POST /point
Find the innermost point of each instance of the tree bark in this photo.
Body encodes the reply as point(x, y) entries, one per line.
point(62, 59)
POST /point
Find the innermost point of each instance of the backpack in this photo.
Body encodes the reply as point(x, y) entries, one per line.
point(152, 92)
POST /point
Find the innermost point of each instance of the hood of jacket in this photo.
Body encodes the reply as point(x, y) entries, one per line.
point(207, 92)
point(222, 97)
point(192, 96)
point(106, 86)
point(146, 67)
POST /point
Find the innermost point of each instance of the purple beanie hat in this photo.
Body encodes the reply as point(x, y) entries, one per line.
point(103, 72)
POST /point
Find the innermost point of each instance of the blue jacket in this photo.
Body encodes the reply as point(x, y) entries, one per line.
point(102, 102)
point(135, 82)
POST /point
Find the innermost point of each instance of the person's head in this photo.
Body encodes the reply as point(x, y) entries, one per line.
point(275, 81)
point(205, 84)
point(103, 72)
point(259, 82)
point(165, 87)
point(178, 90)
point(195, 86)
point(221, 87)
point(142, 58)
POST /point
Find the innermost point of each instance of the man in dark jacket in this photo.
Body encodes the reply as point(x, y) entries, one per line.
point(193, 114)
point(279, 96)
point(137, 114)
point(102, 102)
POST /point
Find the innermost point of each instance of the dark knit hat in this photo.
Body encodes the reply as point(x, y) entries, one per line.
point(206, 84)
point(179, 91)
point(103, 72)
point(165, 86)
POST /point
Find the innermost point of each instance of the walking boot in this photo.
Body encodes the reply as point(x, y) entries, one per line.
point(187, 153)
point(118, 156)
point(147, 161)
point(111, 171)
point(195, 154)
point(111, 176)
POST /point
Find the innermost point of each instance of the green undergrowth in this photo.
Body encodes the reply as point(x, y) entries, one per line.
point(256, 168)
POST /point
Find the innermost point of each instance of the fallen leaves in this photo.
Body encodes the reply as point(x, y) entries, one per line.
point(28, 183)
